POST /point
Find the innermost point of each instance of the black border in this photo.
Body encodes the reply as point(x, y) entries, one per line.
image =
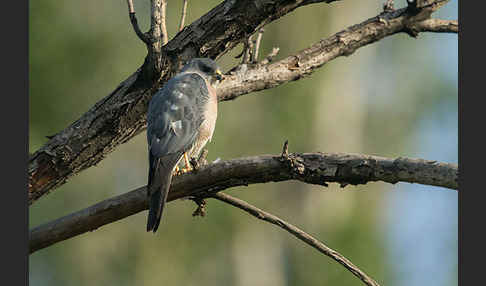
point(15, 149)
point(14, 213)
point(471, 121)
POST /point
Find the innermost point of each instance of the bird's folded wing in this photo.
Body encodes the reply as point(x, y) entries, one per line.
point(175, 115)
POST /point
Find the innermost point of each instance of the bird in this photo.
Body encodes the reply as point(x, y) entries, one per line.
point(181, 118)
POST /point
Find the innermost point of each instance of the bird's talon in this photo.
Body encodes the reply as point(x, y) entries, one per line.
point(194, 163)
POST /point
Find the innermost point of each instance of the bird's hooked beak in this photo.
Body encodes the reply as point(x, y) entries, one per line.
point(219, 75)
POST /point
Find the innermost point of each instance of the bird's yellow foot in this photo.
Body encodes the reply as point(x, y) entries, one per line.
point(188, 167)
point(176, 171)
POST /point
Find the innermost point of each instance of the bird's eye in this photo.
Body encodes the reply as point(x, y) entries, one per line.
point(206, 69)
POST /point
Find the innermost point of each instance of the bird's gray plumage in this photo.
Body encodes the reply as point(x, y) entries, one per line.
point(175, 116)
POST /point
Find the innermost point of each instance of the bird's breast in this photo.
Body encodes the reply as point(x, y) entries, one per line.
point(207, 127)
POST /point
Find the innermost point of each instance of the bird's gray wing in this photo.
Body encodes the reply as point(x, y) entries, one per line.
point(174, 117)
point(175, 114)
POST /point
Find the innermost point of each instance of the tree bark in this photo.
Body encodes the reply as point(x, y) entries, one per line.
point(121, 115)
point(312, 168)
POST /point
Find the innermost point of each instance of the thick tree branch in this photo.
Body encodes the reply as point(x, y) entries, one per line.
point(121, 115)
point(297, 232)
point(312, 168)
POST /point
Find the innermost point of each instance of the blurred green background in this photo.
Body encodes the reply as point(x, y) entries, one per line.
point(397, 97)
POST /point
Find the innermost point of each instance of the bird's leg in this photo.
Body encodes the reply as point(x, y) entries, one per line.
point(197, 163)
point(187, 168)
point(176, 171)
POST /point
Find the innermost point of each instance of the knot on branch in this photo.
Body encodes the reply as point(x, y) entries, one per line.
point(358, 172)
point(299, 169)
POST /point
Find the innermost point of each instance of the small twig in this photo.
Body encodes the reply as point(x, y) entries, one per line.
point(183, 16)
point(133, 20)
point(300, 234)
point(270, 56)
point(248, 51)
point(257, 45)
point(285, 150)
point(163, 24)
point(389, 6)
point(201, 207)
point(130, 6)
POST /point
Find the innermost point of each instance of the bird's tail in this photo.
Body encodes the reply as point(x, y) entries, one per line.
point(158, 189)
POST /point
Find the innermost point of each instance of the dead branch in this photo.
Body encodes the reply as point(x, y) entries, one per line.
point(133, 20)
point(163, 22)
point(297, 232)
point(344, 43)
point(121, 115)
point(312, 168)
point(437, 26)
point(183, 14)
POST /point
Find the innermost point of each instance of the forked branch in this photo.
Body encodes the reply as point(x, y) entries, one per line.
point(133, 20)
point(121, 115)
point(312, 168)
point(297, 232)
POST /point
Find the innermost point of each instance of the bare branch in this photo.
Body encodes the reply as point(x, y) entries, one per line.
point(163, 22)
point(437, 26)
point(312, 168)
point(257, 45)
point(388, 6)
point(343, 43)
point(121, 115)
point(133, 20)
point(155, 19)
point(297, 232)
point(270, 56)
point(248, 51)
point(183, 16)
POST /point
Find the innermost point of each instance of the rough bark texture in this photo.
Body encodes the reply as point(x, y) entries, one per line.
point(313, 168)
point(121, 115)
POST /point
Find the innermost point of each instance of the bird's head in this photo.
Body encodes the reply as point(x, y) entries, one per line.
point(204, 66)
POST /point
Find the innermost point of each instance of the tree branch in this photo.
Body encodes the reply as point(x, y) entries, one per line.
point(312, 168)
point(257, 45)
point(163, 22)
point(437, 26)
point(344, 43)
point(183, 14)
point(121, 115)
point(133, 20)
point(297, 232)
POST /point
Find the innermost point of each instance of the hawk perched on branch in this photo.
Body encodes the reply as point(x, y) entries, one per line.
point(180, 120)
